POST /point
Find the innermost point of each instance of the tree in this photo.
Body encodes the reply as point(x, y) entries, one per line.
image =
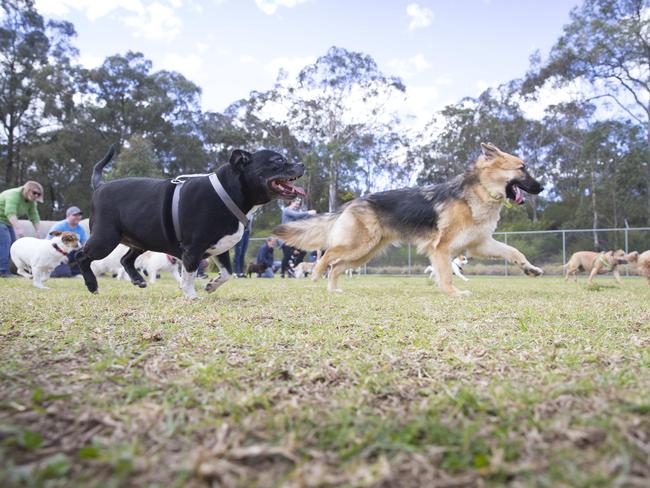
point(36, 77)
point(606, 44)
point(137, 159)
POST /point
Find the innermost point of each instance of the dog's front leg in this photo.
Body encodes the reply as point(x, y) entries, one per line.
point(491, 248)
point(225, 272)
point(617, 276)
point(191, 260)
point(441, 260)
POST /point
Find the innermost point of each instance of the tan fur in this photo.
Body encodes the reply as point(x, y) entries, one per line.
point(357, 232)
point(598, 263)
point(643, 266)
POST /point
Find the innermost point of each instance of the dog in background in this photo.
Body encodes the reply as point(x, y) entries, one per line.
point(643, 267)
point(111, 264)
point(456, 267)
point(442, 220)
point(351, 271)
point(596, 263)
point(36, 258)
point(255, 268)
point(155, 262)
point(303, 269)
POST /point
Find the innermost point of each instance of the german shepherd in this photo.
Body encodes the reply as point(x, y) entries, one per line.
point(442, 220)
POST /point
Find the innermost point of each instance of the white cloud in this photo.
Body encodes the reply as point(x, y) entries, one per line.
point(269, 7)
point(407, 68)
point(420, 16)
point(156, 22)
point(92, 8)
point(190, 65)
point(291, 66)
point(246, 59)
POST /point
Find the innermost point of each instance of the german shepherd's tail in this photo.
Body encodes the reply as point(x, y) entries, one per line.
point(307, 234)
point(96, 179)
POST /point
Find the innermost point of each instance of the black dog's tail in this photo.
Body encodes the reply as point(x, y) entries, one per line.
point(96, 179)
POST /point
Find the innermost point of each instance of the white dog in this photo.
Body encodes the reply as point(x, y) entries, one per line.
point(111, 264)
point(456, 266)
point(155, 262)
point(36, 258)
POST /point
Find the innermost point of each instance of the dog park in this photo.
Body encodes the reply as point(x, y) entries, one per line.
point(460, 201)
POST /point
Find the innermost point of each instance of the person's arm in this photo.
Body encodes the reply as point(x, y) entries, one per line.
point(298, 214)
point(32, 214)
point(18, 229)
point(82, 235)
point(11, 211)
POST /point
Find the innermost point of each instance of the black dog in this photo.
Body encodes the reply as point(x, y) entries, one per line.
point(255, 268)
point(138, 213)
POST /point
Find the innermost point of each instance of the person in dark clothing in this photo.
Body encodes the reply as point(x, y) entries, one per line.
point(292, 213)
point(265, 257)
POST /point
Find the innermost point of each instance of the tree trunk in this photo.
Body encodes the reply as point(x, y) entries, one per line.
point(594, 210)
point(9, 169)
point(332, 185)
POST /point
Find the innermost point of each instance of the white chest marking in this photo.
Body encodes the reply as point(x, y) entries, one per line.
point(229, 241)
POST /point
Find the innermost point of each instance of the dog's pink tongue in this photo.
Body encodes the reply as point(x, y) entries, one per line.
point(300, 191)
point(519, 196)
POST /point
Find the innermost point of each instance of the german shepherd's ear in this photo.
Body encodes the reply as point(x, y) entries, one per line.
point(490, 151)
point(240, 158)
point(56, 233)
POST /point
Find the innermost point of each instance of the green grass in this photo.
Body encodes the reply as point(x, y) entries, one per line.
point(276, 383)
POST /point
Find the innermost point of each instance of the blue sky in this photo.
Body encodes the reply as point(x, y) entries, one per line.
point(443, 50)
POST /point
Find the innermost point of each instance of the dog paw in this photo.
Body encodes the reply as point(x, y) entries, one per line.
point(533, 271)
point(141, 284)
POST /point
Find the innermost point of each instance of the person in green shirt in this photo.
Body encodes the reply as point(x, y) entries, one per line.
point(15, 203)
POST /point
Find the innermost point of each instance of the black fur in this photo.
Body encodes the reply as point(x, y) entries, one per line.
point(413, 210)
point(137, 211)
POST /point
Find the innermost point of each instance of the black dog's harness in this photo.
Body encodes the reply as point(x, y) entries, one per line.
point(218, 187)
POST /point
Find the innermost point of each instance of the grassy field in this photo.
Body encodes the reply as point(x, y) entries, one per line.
point(532, 382)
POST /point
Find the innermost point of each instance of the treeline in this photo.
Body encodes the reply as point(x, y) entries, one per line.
point(340, 117)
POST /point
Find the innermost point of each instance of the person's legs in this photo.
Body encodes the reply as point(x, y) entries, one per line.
point(61, 271)
point(7, 237)
point(286, 255)
point(268, 273)
point(72, 263)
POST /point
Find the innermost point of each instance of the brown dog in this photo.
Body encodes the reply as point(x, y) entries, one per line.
point(598, 263)
point(643, 268)
point(441, 220)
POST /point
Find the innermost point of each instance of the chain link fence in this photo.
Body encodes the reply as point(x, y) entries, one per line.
point(548, 249)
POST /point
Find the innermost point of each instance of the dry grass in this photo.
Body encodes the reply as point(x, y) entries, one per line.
point(531, 382)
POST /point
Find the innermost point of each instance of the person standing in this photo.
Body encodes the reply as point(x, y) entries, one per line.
point(292, 213)
point(15, 203)
point(73, 216)
point(240, 251)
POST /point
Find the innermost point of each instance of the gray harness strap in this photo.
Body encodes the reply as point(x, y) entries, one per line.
point(175, 219)
point(218, 187)
point(223, 194)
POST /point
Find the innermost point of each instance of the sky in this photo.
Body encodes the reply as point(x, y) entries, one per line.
point(442, 49)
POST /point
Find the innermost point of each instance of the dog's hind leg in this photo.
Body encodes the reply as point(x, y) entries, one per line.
point(100, 244)
point(128, 262)
point(225, 272)
point(191, 259)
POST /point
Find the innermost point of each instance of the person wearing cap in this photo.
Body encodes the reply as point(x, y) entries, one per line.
point(73, 216)
point(16, 203)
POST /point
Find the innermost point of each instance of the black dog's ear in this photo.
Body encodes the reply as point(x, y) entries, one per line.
point(240, 158)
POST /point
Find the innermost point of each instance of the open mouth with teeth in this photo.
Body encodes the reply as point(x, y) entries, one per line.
point(285, 187)
point(515, 193)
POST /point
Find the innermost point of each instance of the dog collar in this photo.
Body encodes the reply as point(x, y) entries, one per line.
point(496, 198)
point(59, 249)
point(602, 259)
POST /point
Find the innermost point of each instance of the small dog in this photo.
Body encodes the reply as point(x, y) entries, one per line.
point(598, 263)
point(643, 267)
point(456, 267)
point(255, 268)
point(303, 269)
point(155, 262)
point(111, 264)
point(36, 258)
point(441, 220)
point(138, 212)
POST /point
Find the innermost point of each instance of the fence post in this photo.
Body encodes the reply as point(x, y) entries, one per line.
point(563, 246)
point(627, 266)
point(505, 240)
point(409, 272)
